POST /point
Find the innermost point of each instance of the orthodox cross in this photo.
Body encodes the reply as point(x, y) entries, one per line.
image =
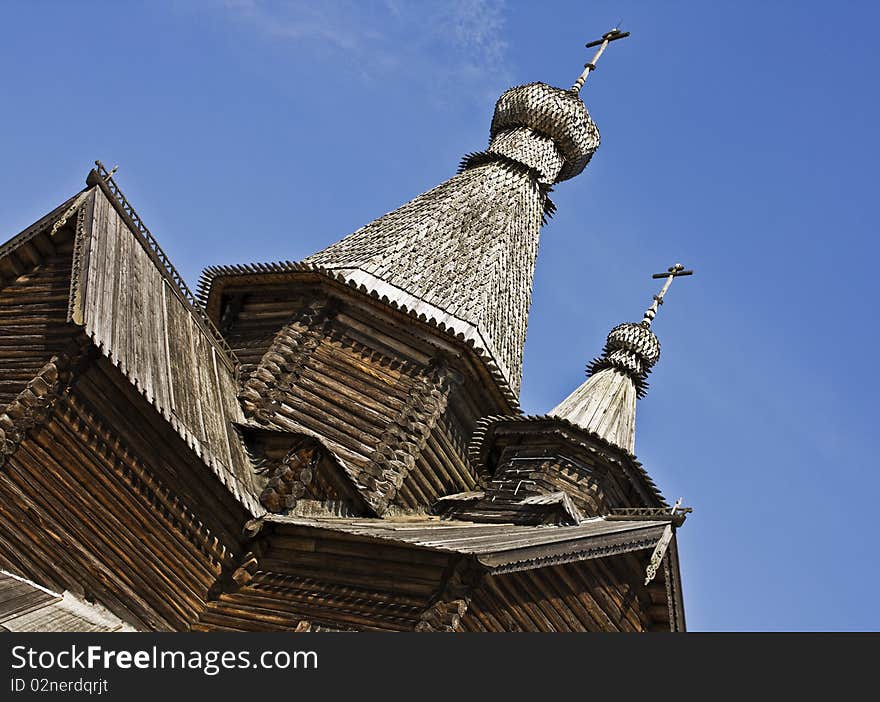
point(602, 43)
point(671, 274)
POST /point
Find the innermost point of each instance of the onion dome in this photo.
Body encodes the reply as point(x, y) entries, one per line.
point(548, 130)
point(631, 348)
point(545, 128)
point(605, 403)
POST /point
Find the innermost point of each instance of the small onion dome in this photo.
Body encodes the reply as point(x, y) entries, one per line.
point(553, 112)
point(605, 403)
point(631, 348)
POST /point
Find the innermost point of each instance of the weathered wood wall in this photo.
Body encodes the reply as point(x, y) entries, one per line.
point(381, 398)
point(82, 510)
point(33, 310)
point(140, 321)
point(602, 594)
point(331, 580)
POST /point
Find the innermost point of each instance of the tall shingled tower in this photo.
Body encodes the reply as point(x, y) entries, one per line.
point(331, 444)
point(457, 262)
point(464, 252)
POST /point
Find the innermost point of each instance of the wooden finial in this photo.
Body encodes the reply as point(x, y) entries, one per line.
point(602, 43)
point(671, 273)
point(103, 172)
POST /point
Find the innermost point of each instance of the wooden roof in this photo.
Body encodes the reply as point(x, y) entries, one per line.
point(129, 300)
point(26, 606)
point(500, 547)
point(146, 325)
point(605, 403)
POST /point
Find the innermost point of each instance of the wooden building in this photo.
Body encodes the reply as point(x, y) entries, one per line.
point(333, 444)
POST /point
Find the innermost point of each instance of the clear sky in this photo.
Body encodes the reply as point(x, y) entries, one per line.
point(740, 138)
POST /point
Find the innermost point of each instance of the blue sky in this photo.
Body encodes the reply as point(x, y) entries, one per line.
point(738, 137)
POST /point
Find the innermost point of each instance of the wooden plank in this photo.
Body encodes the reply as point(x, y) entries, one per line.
point(120, 269)
point(157, 383)
point(180, 352)
point(104, 266)
point(221, 410)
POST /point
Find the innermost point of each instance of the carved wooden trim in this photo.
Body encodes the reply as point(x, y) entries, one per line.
point(289, 478)
point(588, 553)
point(445, 613)
point(283, 361)
point(34, 405)
point(79, 261)
point(404, 438)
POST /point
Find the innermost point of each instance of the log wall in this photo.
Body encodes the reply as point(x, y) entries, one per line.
point(333, 581)
point(381, 399)
point(597, 595)
point(33, 310)
point(83, 510)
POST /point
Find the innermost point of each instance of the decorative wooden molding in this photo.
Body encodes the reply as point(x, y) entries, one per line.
point(588, 553)
point(79, 261)
point(34, 405)
point(75, 207)
point(449, 607)
point(289, 478)
point(405, 438)
point(283, 362)
point(677, 517)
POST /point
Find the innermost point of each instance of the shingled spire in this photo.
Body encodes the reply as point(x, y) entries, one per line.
point(605, 403)
point(463, 254)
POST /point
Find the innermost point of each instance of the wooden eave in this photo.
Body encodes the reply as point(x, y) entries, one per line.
point(499, 548)
point(27, 248)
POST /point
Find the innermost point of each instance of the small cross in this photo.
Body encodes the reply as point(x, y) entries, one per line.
point(602, 43)
point(671, 274)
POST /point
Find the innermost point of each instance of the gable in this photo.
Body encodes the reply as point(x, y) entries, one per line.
point(136, 309)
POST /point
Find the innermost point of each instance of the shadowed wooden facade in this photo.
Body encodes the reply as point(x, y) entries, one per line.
point(323, 445)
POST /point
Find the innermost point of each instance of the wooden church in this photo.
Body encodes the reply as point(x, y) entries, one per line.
point(333, 444)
